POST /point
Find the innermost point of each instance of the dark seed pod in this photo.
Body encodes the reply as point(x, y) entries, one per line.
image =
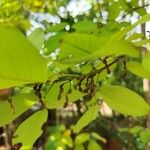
point(61, 90)
point(106, 66)
point(67, 100)
point(80, 84)
point(17, 146)
point(70, 89)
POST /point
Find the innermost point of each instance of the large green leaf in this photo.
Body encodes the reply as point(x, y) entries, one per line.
point(90, 115)
point(121, 47)
point(111, 27)
point(85, 26)
point(37, 38)
point(20, 61)
point(30, 130)
point(21, 103)
point(146, 63)
point(117, 38)
point(79, 47)
point(137, 69)
point(124, 100)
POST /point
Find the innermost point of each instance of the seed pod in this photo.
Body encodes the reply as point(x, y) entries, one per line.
point(5, 92)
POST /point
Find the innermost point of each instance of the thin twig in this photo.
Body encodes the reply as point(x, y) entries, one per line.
point(133, 9)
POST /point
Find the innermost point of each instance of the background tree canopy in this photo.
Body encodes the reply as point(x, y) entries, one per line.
point(74, 74)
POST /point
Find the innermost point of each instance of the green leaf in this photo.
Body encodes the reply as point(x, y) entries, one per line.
point(76, 47)
point(51, 100)
point(79, 147)
point(146, 63)
point(75, 95)
point(85, 26)
point(57, 27)
point(137, 69)
point(111, 27)
point(124, 100)
point(67, 141)
point(98, 137)
point(93, 145)
point(50, 145)
point(121, 47)
point(37, 38)
point(142, 11)
point(81, 138)
point(117, 38)
point(136, 129)
point(145, 136)
point(86, 68)
point(79, 46)
point(114, 10)
point(21, 103)
point(90, 115)
point(53, 42)
point(135, 36)
point(56, 136)
point(16, 58)
point(134, 3)
point(141, 42)
point(26, 147)
point(30, 129)
point(122, 33)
